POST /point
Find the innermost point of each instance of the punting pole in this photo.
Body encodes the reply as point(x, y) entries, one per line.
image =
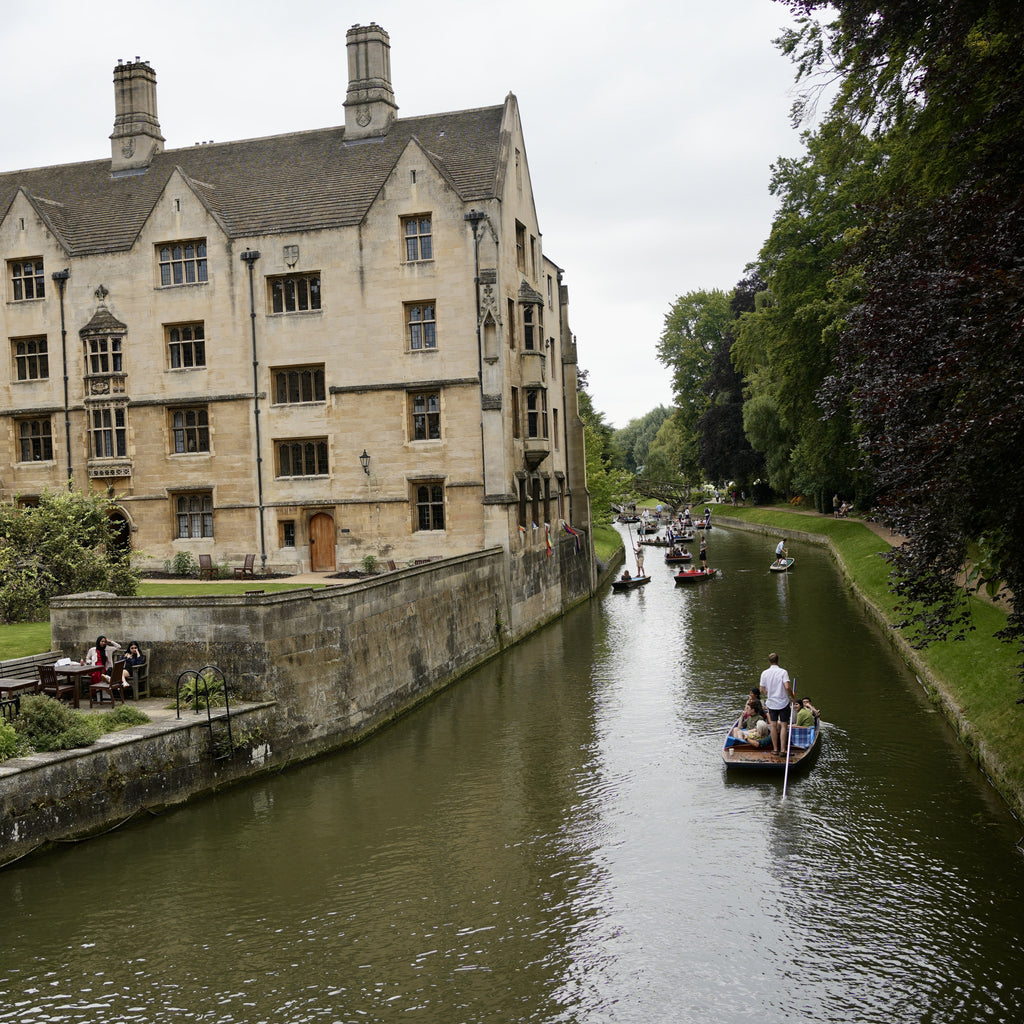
point(789, 745)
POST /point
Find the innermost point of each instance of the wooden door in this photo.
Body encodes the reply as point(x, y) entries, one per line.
point(321, 543)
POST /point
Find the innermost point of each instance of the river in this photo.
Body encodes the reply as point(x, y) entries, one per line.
point(555, 839)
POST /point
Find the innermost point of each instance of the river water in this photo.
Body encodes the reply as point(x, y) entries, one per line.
point(555, 839)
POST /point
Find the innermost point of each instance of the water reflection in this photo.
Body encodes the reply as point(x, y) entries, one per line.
point(556, 840)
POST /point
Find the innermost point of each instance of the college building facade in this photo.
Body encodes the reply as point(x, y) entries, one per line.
point(315, 346)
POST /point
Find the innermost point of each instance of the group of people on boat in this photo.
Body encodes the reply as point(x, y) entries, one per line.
point(772, 718)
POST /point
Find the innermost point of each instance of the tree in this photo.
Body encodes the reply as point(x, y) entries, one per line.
point(694, 326)
point(64, 545)
point(786, 344)
point(931, 362)
point(724, 451)
point(606, 483)
point(635, 438)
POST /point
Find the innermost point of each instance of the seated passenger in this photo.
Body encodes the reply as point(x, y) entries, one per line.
point(752, 728)
point(626, 576)
point(806, 712)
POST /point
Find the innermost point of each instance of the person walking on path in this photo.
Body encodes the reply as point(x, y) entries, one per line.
point(778, 693)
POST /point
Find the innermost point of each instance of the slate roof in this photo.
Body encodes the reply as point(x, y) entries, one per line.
point(283, 183)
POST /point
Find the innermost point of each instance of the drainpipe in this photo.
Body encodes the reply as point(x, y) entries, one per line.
point(60, 279)
point(250, 256)
point(473, 218)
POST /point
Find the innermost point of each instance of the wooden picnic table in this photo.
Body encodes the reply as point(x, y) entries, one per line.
point(74, 672)
point(9, 686)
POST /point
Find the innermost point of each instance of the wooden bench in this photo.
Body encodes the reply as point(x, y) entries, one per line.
point(21, 675)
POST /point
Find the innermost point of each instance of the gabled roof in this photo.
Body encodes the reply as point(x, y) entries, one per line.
point(283, 183)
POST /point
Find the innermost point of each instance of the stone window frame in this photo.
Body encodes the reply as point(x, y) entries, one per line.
point(312, 454)
point(31, 358)
point(27, 279)
point(186, 345)
point(427, 499)
point(193, 515)
point(294, 294)
point(189, 430)
point(421, 325)
point(536, 415)
point(108, 431)
point(104, 355)
point(418, 238)
point(424, 414)
point(35, 439)
point(307, 379)
point(182, 262)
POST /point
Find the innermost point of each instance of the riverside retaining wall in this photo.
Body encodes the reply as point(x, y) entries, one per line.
point(317, 669)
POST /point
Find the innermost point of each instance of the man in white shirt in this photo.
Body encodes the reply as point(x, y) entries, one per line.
point(778, 694)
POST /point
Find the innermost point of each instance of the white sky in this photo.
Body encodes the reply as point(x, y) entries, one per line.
point(650, 130)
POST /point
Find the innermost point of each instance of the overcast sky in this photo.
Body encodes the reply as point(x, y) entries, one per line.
point(650, 128)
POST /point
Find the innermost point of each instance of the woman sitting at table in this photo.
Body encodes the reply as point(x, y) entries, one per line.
point(102, 656)
point(135, 657)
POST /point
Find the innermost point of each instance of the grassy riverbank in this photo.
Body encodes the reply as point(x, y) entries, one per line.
point(973, 680)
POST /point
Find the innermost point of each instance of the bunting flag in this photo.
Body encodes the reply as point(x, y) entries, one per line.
point(547, 536)
point(569, 530)
point(522, 530)
point(535, 526)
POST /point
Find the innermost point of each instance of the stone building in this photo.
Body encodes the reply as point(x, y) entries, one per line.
point(313, 347)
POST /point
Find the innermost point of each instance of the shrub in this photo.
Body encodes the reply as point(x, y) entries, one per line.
point(121, 717)
point(11, 744)
point(182, 564)
point(193, 693)
point(48, 724)
point(370, 563)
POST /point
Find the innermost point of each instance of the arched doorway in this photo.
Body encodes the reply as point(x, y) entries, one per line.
point(121, 532)
point(321, 543)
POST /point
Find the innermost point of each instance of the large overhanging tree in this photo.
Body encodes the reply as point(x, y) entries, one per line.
point(932, 362)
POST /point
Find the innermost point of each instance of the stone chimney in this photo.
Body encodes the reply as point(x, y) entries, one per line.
point(136, 138)
point(370, 104)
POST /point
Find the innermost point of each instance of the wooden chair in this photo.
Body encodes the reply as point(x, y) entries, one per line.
point(247, 570)
point(140, 680)
point(207, 570)
point(54, 685)
point(111, 686)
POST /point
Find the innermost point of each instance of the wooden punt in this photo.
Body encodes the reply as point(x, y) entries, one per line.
point(806, 742)
point(693, 575)
point(631, 584)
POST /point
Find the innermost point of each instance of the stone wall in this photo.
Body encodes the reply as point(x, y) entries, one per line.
point(71, 794)
point(317, 669)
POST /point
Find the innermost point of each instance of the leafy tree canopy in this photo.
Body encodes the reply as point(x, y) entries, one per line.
point(64, 545)
point(930, 363)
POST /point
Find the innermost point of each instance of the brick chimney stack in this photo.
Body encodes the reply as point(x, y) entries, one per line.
point(370, 104)
point(136, 138)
